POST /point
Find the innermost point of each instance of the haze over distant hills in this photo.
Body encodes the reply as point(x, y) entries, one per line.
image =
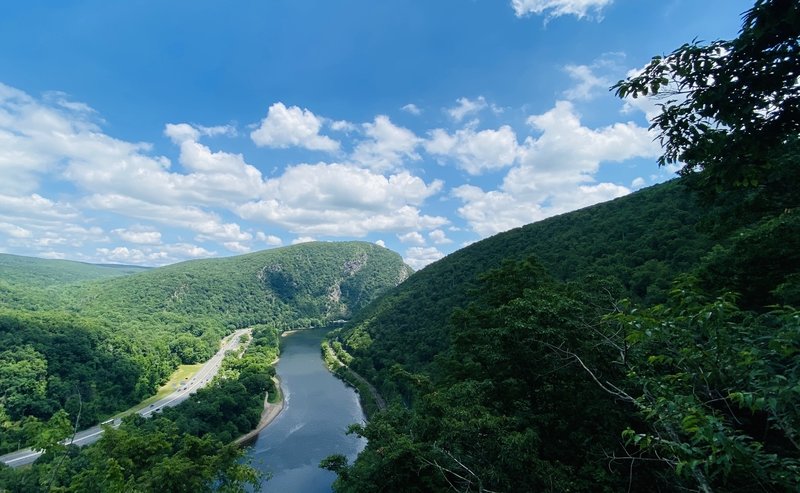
point(16, 269)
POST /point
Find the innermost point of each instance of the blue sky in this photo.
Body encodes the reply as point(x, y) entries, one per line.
point(150, 132)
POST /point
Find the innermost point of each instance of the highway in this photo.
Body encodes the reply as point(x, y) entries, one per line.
point(90, 435)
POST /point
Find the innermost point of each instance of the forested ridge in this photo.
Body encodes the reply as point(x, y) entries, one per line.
point(647, 344)
point(641, 241)
point(298, 286)
point(29, 271)
point(79, 344)
point(35, 284)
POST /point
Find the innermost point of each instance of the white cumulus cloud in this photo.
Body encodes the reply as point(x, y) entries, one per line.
point(236, 247)
point(207, 225)
point(466, 106)
point(343, 126)
point(557, 8)
point(412, 108)
point(14, 231)
point(139, 234)
point(555, 171)
point(386, 147)
point(595, 78)
point(587, 82)
point(151, 256)
point(567, 150)
point(419, 257)
point(475, 152)
point(412, 237)
point(215, 177)
point(302, 239)
point(125, 255)
point(270, 240)
point(292, 126)
point(34, 207)
point(439, 237)
point(343, 200)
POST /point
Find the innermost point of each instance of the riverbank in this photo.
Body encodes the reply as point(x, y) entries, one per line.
point(371, 400)
point(295, 331)
point(268, 415)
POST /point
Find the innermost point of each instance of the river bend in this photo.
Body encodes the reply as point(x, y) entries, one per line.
point(318, 408)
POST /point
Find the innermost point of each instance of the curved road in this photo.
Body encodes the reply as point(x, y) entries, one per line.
point(91, 435)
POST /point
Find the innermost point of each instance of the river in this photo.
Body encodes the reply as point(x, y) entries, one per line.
point(318, 408)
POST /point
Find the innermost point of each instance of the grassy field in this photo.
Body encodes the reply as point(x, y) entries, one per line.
point(183, 373)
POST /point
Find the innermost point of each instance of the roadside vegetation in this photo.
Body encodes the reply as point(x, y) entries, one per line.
point(183, 448)
point(179, 377)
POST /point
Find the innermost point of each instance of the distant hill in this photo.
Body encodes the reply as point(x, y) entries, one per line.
point(38, 272)
point(296, 286)
point(35, 283)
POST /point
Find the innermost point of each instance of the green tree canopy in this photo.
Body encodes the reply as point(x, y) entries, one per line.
point(730, 108)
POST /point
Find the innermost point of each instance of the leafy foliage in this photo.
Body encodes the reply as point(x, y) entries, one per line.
point(505, 407)
point(718, 388)
point(185, 448)
point(59, 361)
point(555, 386)
point(729, 106)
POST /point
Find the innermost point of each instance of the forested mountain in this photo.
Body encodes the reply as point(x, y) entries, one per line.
point(647, 344)
point(518, 358)
point(637, 243)
point(101, 345)
point(605, 349)
point(297, 286)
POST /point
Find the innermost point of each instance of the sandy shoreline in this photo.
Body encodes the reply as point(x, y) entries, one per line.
point(268, 415)
point(290, 332)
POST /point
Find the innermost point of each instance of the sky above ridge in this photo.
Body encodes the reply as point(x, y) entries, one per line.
point(150, 132)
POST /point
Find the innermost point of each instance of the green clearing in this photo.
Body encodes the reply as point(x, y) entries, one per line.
point(184, 372)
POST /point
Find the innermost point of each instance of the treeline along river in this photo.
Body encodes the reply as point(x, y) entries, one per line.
point(318, 408)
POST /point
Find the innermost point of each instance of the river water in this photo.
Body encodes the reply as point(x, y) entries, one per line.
point(318, 408)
